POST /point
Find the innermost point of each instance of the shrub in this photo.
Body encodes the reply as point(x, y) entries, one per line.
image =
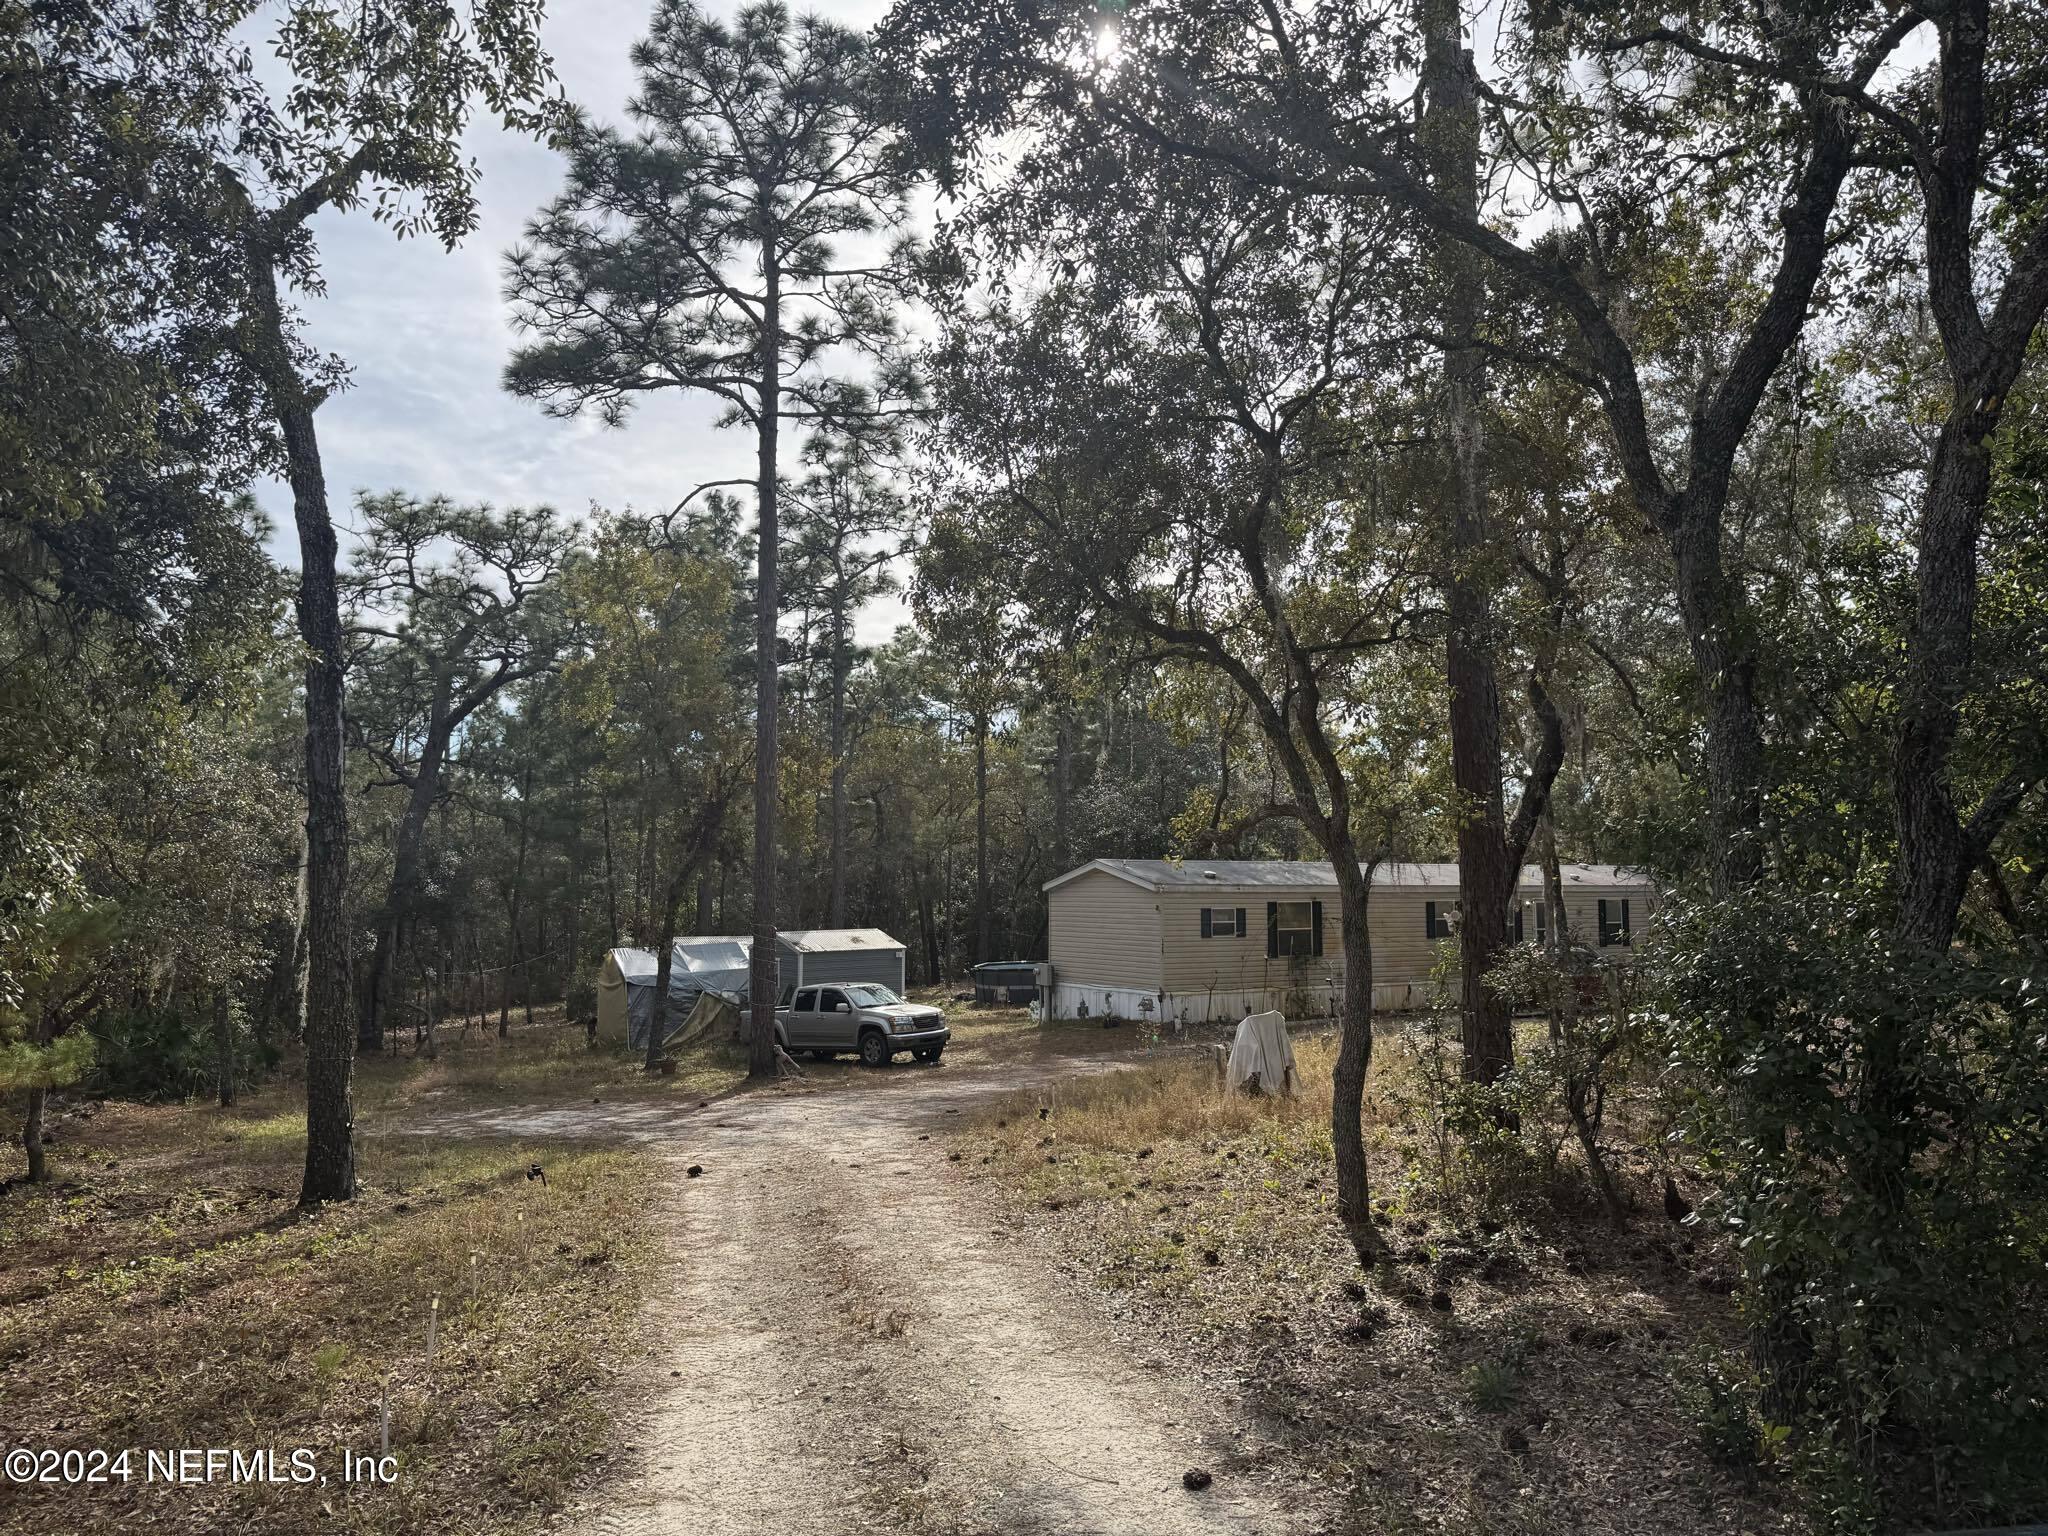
point(580, 997)
point(1492, 1385)
point(157, 1053)
point(1490, 1147)
point(1720, 1393)
point(1878, 1118)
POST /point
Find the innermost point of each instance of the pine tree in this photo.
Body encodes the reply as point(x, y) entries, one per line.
point(739, 246)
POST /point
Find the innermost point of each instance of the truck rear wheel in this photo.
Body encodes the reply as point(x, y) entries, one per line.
point(874, 1048)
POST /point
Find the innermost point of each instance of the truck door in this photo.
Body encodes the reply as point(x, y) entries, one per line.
point(835, 1019)
point(801, 1029)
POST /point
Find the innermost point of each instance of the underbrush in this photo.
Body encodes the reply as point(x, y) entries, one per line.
point(164, 1293)
point(1522, 1365)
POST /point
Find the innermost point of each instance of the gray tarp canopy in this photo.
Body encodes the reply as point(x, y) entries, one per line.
point(716, 964)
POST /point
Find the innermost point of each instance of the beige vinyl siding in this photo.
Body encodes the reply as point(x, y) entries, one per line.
point(1192, 963)
point(1401, 949)
point(1104, 932)
point(1582, 909)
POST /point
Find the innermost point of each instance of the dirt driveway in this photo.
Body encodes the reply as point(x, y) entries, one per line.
point(850, 1340)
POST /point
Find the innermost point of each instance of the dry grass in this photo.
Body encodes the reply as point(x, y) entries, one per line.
point(1520, 1369)
point(983, 1035)
point(987, 1032)
point(164, 1293)
point(551, 1062)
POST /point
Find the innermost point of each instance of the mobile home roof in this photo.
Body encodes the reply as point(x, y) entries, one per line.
point(1309, 875)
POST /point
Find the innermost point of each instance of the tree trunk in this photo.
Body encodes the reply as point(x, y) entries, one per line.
point(983, 917)
point(1354, 1057)
point(643, 851)
point(611, 884)
point(927, 924)
point(516, 949)
point(223, 1048)
point(32, 1137)
point(657, 1019)
point(836, 902)
point(330, 1172)
point(479, 989)
point(437, 993)
point(505, 975)
point(402, 895)
point(1936, 851)
point(1062, 780)
point(1986, 339)
point(284, 989)
point(1486, 878)
point(1583, 1062)
point(762, 969)
point(1717, 632)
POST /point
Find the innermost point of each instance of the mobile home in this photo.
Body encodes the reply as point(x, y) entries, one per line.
point(1217, 939)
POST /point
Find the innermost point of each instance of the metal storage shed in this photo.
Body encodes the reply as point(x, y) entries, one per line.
point(807, 956)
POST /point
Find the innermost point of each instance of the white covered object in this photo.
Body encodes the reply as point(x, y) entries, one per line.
point(1262, 1051)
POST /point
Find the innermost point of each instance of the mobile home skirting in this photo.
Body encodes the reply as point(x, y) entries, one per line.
point(1077, 1000)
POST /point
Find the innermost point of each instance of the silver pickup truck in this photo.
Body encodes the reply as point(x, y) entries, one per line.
point(859, 1016)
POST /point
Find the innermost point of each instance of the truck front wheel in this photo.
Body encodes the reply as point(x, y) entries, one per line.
point(874, 1048)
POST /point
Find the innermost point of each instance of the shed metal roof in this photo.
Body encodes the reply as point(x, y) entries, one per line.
point(825, 941)
point(1305, 874)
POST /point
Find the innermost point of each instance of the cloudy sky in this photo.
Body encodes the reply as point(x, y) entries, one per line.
point(426, 335)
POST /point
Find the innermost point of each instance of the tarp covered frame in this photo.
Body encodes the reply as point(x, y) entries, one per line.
point(716, 965)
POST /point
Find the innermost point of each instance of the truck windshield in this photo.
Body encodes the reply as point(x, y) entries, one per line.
point(868, 995)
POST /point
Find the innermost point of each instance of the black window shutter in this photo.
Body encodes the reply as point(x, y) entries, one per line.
point(1272, 930)
point(1429, 919)
point(1604, 929)
point(1624, 920)
point(1206, 930)
point(1542, 920)
point(1240, 922)
point(1315, 927)
point(1518, 923)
